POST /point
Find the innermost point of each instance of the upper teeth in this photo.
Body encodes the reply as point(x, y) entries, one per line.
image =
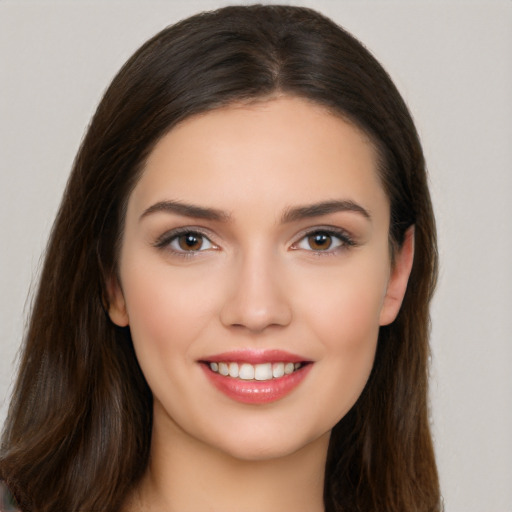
point(246, 371)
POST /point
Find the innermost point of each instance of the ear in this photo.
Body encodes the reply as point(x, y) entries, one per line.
point(398, 279)
point(116, 303)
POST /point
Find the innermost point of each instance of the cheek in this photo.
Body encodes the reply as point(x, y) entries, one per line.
point(346, 305)
point(348, 328)
point(166, 314)
point(345, 321)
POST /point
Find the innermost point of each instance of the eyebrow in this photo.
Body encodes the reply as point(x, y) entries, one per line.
point(186, 210)
point(323, 208)
point(290, 215)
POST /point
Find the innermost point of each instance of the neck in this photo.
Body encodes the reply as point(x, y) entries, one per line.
point(186, 475)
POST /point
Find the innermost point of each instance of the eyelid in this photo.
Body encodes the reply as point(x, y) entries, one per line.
point(346, 239)
point(164, 241)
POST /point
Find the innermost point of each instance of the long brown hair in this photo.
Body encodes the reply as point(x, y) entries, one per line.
point(77, 436)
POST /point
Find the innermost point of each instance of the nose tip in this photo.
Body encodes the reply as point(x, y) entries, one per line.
point(256, 319)
point(257, 301)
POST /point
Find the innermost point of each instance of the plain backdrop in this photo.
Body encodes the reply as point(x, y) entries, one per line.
point(452, 61)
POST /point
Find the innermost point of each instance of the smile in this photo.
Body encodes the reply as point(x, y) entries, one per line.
point(256, 376)
point(260, 372)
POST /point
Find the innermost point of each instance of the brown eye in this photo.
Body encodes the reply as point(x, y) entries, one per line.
point(320, 241)
point(190, 242)
point(324, 241)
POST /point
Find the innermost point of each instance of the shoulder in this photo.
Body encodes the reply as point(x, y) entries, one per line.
point(7, 501)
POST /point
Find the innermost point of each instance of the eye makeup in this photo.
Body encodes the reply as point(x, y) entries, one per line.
point(189, 241)
point(324, 240)
point(186, 241)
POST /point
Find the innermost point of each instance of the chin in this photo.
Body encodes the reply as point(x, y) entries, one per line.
point(266, 446)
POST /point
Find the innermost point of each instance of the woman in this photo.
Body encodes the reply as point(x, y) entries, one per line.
point(233, 312)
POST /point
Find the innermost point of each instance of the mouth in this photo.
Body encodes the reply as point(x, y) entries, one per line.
point(260, 372)
point(256, 377)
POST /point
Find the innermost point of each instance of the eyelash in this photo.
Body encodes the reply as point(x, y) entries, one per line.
point(344, 241)
point(343, 237)
point(165, 241)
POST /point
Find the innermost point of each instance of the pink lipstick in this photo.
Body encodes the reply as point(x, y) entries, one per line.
point(256, 377)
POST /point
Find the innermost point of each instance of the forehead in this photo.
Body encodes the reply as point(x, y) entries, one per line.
point(282, 150)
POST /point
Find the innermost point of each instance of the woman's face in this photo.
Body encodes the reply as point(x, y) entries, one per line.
point(256, 244)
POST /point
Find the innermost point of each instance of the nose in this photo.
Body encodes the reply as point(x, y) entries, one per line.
point(257, 297)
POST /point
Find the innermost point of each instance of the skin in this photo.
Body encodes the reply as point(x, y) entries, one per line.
point(258, 282)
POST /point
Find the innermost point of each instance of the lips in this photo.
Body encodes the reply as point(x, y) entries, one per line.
point(256, 377)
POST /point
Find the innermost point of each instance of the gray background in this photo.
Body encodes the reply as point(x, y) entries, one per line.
point(452, 62)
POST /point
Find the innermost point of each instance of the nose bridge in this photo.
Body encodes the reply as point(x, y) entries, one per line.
point(258, 298)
